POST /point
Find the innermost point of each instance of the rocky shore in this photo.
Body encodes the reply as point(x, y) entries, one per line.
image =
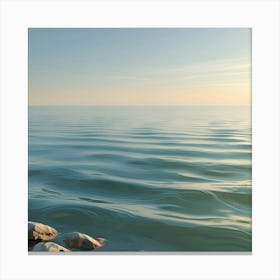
point(44, 238)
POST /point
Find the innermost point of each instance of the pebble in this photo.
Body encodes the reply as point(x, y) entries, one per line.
point(82, 241)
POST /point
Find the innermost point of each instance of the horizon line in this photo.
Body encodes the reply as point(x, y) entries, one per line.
point(135, 105)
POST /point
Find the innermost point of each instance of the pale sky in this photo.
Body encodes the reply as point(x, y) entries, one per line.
point(143, 66)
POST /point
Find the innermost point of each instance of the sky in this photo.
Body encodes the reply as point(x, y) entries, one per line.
point(139, 66)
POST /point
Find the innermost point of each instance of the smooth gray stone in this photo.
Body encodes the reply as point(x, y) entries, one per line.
point(49, 247)
point(82, 241)
point(37, 231)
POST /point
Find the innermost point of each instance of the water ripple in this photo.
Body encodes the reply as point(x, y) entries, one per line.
point(155, 179)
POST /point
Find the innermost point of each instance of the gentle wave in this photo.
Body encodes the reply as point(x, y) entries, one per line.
point(146, 184)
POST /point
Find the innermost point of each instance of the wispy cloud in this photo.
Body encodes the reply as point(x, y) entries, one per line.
point(213, 64)
point(219, 73)
point(228, 72)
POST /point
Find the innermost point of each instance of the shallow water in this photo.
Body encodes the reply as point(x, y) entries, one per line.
point(145, 178)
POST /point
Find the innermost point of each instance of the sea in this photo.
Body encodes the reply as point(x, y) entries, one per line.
point(145, 178)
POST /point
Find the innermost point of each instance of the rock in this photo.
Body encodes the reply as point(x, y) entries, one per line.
point(49, 247)
point(82, 241)
point(41, 232)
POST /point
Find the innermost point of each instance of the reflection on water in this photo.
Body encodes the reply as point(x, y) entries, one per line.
point(145, 178)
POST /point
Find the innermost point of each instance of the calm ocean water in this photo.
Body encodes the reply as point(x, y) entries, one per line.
point(144, 178)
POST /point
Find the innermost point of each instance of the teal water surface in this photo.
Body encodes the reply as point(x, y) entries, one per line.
point(145, 178)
